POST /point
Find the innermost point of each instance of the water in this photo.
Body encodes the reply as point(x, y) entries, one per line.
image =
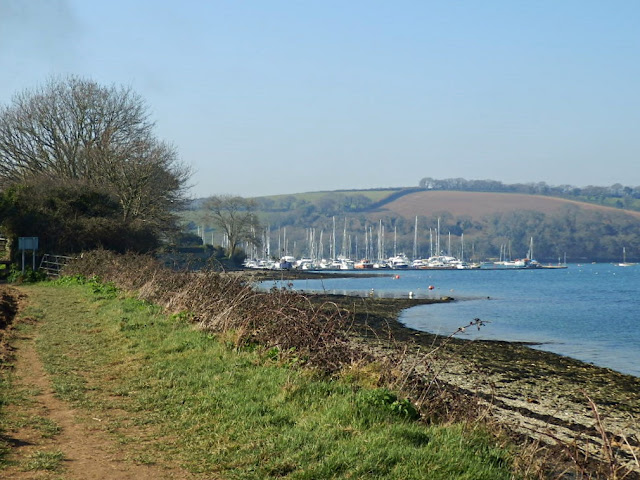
point(588, 312)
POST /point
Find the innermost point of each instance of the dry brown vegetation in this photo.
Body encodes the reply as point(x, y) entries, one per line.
point(281, 319)
point(8, 308)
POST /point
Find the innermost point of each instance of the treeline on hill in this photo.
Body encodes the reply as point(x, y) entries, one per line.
point(574, 233)
point(578, 234)
point(297, 224)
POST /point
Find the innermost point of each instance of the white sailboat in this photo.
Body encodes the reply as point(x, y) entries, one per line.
point(624, 262)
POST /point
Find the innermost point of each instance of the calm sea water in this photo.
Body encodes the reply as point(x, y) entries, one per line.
point(588, 312)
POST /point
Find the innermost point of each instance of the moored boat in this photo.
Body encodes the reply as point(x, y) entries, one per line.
point(624, 262)
point(363, 264)
point(399, 262)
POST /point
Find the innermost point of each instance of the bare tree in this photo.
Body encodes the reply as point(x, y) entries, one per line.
point(78, 130)
point(236, 217)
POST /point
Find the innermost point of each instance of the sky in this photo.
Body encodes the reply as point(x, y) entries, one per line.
point(274, 97)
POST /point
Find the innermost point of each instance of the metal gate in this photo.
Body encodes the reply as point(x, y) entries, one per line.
point(52, 264)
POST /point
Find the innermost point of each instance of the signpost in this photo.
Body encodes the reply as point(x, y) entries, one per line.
point(28, 243)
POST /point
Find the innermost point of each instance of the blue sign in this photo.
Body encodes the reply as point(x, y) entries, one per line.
point(27, 243)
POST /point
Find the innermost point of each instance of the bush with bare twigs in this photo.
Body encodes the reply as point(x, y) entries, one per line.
point(279, 319)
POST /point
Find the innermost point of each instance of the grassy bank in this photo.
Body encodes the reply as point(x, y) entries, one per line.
point(173, 395)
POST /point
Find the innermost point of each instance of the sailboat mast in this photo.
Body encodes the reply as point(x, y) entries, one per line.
point(430, 242)
point(344, 239)
point(415, 239)
point(395, 240)
point(333, 239)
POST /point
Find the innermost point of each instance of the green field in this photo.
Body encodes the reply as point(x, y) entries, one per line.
point(373, 195)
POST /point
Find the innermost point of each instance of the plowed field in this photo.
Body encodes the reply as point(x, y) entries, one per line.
point(480, 204)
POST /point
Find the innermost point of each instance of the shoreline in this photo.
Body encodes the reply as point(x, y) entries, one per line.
point(402, 303)
point(541, 395)
point(446, 320)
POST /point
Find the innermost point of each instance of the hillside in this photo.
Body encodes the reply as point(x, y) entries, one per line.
point(481, 204)
point(375, 195)
point(491, 223)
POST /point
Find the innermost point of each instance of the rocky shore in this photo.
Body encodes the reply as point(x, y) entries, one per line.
point(591, 413)
point(542, 396)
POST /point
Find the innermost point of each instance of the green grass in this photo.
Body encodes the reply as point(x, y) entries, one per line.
point(42, 460)
point(168, 391)
point(373, 195)
point(45, 426)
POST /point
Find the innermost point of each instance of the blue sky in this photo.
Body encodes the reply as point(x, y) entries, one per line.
point(269, 97)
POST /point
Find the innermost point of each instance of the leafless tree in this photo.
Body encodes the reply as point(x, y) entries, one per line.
point(236, 217)
point(75, 129)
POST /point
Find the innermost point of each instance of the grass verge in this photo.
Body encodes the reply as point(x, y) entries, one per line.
point(42, 460)
point(170, 393)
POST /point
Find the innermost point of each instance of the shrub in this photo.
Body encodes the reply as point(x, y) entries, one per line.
point(281, 319)
point(384, 400)
point(16, 275)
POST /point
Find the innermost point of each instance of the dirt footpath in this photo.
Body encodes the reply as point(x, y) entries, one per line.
point(74, 442)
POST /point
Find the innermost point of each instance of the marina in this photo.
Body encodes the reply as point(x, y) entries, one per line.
point(376, 258)
point(397, 262)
